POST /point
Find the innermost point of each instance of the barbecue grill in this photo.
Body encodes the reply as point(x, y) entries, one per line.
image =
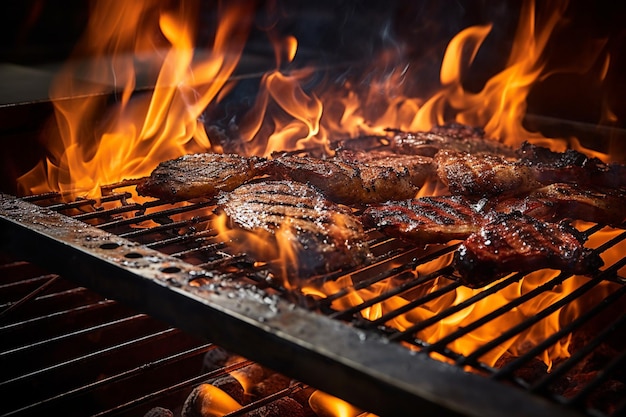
point(175, 271)
point(109, 306)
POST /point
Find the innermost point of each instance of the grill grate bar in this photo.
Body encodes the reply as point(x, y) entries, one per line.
point(198, 236)
point(181, 385)
point(424, 299)
point(155, 215)
point(73, 204)
point(84, 358)
point(50, 279)
point(73, 291)
point(530, 321)
point(614, 366)
point(496, 313)
point(266, 400)
point(575, 358)
point(165, 227)
point(211, 248)
point(507, 370)
point(72, 393)
point(81, 309)
point(406, 334)
point(387, 273)
point(105, 213)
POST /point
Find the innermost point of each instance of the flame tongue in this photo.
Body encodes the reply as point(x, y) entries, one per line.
point(141, 129)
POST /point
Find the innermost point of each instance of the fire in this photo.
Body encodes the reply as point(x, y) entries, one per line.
point(325, 405)
point(141, 129)
point(101, 144)
point(213, 402)
point(280, 247)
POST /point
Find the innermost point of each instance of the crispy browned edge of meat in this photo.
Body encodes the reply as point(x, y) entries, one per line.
point(479, 260)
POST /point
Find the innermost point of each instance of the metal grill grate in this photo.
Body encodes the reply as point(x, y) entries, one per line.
point(183, 232)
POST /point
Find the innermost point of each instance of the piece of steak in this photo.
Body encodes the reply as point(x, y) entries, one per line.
point(416, 168)
point(560, 201)
point(199, 176)
point(483, 175)
point(570, 166)
point(324, 236)
point(345, 180)
point(453, 136)
point(515, 242)
point(426, 219)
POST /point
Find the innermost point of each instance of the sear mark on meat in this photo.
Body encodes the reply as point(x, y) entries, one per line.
point(453, 136)
point(325, 236)
point(199, 176)
point(353, 177)
point(425, 220)
point(515, 242)
point(570, 166)
point(483, 175)
point(560, 201)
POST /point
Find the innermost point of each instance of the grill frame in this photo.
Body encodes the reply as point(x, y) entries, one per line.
point(300, 343)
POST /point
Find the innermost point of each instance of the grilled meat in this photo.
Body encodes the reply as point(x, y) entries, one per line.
point(199, 175)
point(426, 219)
point(571, 166)
point(515, 242)
point(454, 136)
point(482, 175)
point(346, 181)
point(418, 168)
point(324, 236)
point(560, 201)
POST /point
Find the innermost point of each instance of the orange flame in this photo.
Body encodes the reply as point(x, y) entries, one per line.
point(468, 343)
point(213, 402)
point(142, 129)
point(326, 405)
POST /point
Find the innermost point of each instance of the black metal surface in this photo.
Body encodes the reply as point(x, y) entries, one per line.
point(383, 376)
point(65, 350)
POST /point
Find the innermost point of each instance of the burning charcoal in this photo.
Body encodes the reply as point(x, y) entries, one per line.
point(159, 412)
point(302, 397)
point(253, 373)
point(230, 386)
point(273, 383)
point(215, 359)
point(282, 407)
point(530, 371)
point(208, 400)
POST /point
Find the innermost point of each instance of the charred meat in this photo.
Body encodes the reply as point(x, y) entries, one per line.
point(516, 242)
point(571, 166)
point(562, 201)
point(416, 168)
point(199, 176)
point(426, 219)
point(483, 175)
point(454, 136)
point(350, 178)
point(324, 237)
